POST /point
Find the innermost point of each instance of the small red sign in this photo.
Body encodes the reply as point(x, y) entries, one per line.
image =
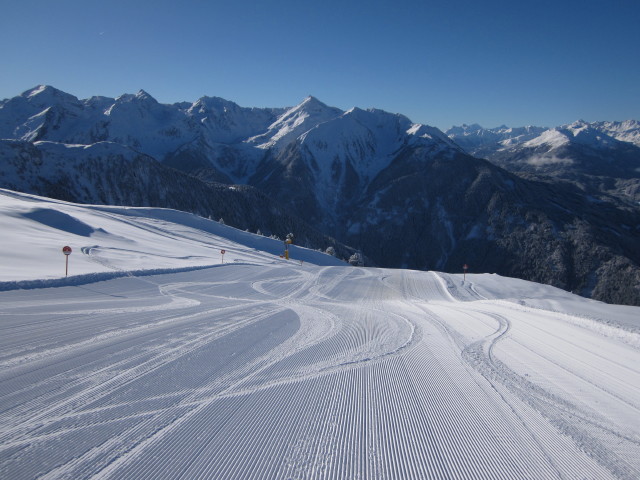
point(223, 252)
point(66, 250)
point(465, 266)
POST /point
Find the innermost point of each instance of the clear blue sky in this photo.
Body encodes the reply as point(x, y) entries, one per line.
point(441, 62)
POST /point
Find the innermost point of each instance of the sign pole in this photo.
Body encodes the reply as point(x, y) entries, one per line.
point(67, 251)
point(464, 268)
point(222, 252)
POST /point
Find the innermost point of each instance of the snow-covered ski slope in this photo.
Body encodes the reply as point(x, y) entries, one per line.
point(107, 239)
point(264, 368)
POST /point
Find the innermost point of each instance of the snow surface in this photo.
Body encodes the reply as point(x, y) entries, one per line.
point(553, 138)
point(119, 239)
point(266, 368)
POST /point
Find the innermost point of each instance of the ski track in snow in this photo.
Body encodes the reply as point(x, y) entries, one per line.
point(282, 371)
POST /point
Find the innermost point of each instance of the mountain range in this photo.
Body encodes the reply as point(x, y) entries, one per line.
point(600, 157)
point(404, 194)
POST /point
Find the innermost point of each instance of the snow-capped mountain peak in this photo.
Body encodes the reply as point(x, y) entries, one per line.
point(44, 96)
point(205, 105)
point(47, 93)
point(311, 103)
point(226, 122)
point(36, 91)
point(626, 131)
point(465, 130)
point(311, 108)
point(140, 97)
point(294, 122)
point(553, 138)
point(362, 139)
point(579, 132)
point(426, 132)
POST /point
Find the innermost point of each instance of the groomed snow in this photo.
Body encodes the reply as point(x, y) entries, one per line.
point(263, 368)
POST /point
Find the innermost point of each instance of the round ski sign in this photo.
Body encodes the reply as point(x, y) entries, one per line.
point(223, 252)
point(66, 250)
